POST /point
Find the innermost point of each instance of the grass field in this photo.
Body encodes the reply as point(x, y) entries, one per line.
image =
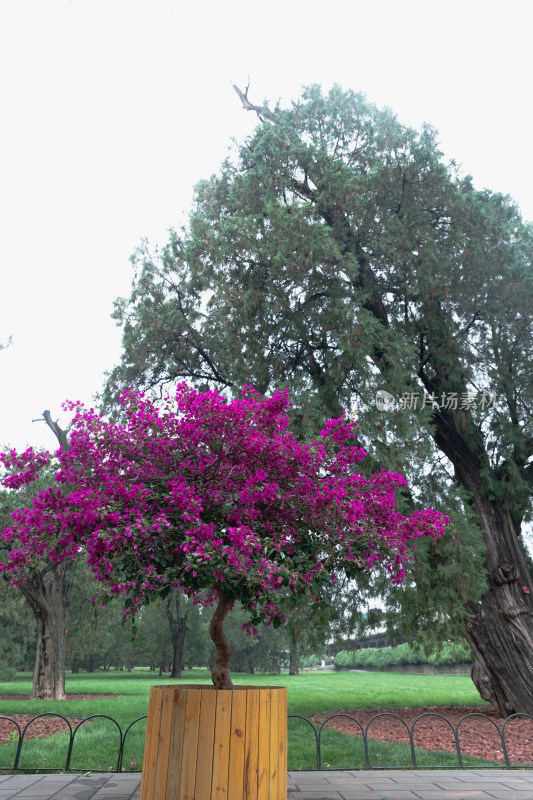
point(96, 745)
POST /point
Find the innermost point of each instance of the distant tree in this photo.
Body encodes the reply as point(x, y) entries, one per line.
point(17, 636)
point(197, 641)
point(177, 611)
point(337, 254)
point(48, 584)
point(263, 652)
point(96, 638)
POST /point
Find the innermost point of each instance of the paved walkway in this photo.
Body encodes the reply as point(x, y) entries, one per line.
point(386, 785)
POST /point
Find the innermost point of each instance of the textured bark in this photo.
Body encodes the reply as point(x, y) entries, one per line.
point(220, 669)
point(294, 661)
point(48, 594)
point(294, 649)
point(501, 632)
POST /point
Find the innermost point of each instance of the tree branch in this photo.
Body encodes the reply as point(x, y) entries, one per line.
point(60, 434)
point(261, 111)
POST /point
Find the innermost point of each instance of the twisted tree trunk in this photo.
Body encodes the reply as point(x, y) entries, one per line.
point(220, 669)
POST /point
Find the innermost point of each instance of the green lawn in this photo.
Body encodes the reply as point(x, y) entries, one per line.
point(311, 693)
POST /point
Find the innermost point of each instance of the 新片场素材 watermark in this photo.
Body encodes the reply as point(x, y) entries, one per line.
point(451, 401)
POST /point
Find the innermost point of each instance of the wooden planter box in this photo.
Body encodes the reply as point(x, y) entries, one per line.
point(204, 743)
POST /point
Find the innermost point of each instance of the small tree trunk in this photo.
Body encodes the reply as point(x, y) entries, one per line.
point(178, 631)
point(177, 653)
point(75, 663)
point(294, 660)
point(49, 600)
point(90, 663)
point(220, 669)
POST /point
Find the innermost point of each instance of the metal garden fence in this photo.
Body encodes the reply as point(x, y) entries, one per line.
point(19, 735)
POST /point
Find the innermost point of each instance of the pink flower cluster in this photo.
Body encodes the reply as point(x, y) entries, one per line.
point(203, 493)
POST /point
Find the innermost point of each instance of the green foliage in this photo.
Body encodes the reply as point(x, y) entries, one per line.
point(336, 253)
point(403, 654)
point(17, 632)
point(262, 653)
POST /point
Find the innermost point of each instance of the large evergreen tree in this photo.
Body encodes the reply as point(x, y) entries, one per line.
point(338, 254)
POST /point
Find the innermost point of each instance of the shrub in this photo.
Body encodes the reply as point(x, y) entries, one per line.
point(344, 658)
point(403, 654)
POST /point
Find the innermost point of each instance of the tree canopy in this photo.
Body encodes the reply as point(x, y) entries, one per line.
point(338, 254)
point(216, 498)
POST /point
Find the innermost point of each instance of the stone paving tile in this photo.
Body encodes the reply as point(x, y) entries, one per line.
point(319, 794)
point(102, 794)
point(23, 796)
point(21, 780)
point(306, 795)
point(40, 789)
point(455, 794)
point(515, 784)
point(378, 780)
point(397, 794)
point(448, 785)
point(75, 792)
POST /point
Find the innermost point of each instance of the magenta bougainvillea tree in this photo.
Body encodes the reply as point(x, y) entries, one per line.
point(216, 497)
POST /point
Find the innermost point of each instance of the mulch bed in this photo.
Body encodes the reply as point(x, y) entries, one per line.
point(44, 726)
point(478, 737)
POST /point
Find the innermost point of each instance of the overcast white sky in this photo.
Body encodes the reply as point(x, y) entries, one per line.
point(113, 109)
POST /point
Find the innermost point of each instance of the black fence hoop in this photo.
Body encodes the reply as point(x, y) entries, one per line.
point(365, 732)
point(87, 719)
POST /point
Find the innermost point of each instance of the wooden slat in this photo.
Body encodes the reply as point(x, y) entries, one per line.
point(219, 781)
point(151, 743)
point(274, 745)
point(237, 746)
point(251, 747)
point(190, 745)
point(282, 734)
point(179, 699)
point(206, 736)
point(263, 745)
point(167, 705)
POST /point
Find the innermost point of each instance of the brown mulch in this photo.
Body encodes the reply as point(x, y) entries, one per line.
point(478, 737)
point(44, 726)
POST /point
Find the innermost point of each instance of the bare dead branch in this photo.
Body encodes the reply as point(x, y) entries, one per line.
point(60, 434)
point(263, 112)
